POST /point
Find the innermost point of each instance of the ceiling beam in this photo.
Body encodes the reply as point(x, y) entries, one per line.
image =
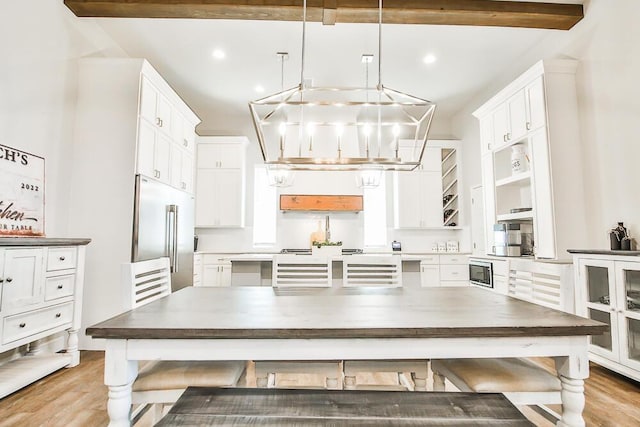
point(434, 12)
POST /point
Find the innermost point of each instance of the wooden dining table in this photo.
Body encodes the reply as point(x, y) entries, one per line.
point(262, 323)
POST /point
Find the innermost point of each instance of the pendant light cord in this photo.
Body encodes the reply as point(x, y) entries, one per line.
point(304, 30)
point(379, 45)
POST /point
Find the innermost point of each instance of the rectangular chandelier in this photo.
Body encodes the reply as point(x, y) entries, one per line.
point(325, 128)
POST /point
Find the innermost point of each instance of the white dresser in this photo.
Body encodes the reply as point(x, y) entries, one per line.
point(41, 283)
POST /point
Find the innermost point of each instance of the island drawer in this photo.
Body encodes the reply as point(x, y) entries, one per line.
point(454, 259)
point(59, 286)
point(454, 272)
point(61, 259)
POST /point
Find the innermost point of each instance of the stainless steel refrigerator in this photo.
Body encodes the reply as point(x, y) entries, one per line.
point(163, 226)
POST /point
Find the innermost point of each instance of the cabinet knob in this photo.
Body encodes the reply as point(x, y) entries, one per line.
point(9, 280)
point(185, 142)
point(504, 138)
point(22, 325)
point(62, 258)
point(58, 315)
point(508, 136)
point(158, 121)
point(528, 125)
point(1, 280)
point(60, 286)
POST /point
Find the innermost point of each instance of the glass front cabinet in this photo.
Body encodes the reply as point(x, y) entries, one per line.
point(608, 290)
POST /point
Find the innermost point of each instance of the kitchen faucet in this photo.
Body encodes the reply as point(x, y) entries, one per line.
point(327, 230)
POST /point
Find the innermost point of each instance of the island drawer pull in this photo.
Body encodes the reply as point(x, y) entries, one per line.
point(22, 325)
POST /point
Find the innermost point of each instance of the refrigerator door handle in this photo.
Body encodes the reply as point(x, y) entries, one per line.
point(173, 241)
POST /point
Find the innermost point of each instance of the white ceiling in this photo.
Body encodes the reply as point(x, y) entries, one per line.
point(219, 90)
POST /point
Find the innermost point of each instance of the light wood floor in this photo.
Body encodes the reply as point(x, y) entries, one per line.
point(77, 397)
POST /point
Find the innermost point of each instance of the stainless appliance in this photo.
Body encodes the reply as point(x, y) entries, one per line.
point(481, 273)
point(513, 239)
point(163, 226)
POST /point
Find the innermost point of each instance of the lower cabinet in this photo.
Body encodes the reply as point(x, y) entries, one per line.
point(608, 290)
point(40, 291)
point(214, 271)
point(444, 270)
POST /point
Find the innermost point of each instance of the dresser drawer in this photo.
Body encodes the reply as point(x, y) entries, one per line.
point(454, 259)
point(59, 286)
point(61, 259)
point(454, 272)
point(429, 259)
point(25, 324)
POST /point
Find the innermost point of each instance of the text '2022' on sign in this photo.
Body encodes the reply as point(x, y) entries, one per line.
point(21, 193)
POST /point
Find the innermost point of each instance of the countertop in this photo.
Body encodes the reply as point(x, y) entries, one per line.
point(42, 241)
point(603, 252)
point(268, 256)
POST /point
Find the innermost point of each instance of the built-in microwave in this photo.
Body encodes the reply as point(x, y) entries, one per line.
point(481, 273)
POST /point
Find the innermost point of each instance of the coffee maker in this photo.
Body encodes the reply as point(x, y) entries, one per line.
point(513, 239)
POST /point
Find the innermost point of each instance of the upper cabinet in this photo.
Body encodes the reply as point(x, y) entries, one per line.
point(528, 131)
point(428, 196)
point(129, 112)
point(220, 182)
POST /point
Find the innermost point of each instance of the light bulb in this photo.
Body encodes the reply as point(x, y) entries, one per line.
point(396, 130)
point(311, 128)
point(282, 128)
point(339, 129)
point(366, 129)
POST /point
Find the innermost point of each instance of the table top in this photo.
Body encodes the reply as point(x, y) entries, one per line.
point(267, 313)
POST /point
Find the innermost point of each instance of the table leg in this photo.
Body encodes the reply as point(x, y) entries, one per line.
point(119, 374)
point(572, 371)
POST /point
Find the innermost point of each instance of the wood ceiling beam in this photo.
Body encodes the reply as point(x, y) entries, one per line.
point(433, 12)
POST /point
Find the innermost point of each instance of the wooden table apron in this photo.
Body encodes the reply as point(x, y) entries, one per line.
point(135, 336)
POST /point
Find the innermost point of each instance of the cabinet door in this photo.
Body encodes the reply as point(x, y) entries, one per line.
point(500, 125)
point(225, 275)
point(162, 156)
point(220, 155)
point(206, 198)
point(189, 136)
point(229, 198)
point(432, 160)
point(486, 134)
point(489, 193)
point(187, 172)
point(148, 100)
point(429, 275)
point(146, 148)
point(537, 112)
point(163, 111)
point(176, 166)
point(543, 224)
point(517, 116)
point(597, 282)
point(23, 279)
point(177, 127)
point(431, 199)
point(628, 305)
point(210, 274)
point(408, 201)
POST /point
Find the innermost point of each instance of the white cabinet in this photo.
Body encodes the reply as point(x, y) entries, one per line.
point(444, 270)
point(165, 136)
point(220, 182)
point(41, 296)
point(608, 290)
point(428, 196)
point(542, 283)
point(216, 271)
point(536, 115)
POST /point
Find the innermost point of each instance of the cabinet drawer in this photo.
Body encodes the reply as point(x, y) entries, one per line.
point(61, 259)
point(456, 283)
point(25, 324)
point(454, 259)
point(59, 287)
point(429, 259)
point(454, 272)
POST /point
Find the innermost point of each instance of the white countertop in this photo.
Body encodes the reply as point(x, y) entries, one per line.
point(268, 256)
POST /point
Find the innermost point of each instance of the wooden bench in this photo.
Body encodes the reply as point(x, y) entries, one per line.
point(282, 407)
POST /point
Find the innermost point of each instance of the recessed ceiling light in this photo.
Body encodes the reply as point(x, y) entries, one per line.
point(430, 59)
point(259, 88)
point(219, 54)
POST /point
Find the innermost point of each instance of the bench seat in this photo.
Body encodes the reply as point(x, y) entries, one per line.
point(283, 407)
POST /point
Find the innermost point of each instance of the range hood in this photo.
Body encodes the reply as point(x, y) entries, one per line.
point(322, 203)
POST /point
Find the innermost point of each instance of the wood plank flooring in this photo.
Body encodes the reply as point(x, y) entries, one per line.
point(77, 397)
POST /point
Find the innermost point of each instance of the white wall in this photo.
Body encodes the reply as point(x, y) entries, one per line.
point(606, 44)
point(38, 90)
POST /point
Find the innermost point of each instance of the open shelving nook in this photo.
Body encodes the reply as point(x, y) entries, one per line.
point(450, 199)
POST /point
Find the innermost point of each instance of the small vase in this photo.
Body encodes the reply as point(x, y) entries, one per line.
point(625, 244)
point(615, 241)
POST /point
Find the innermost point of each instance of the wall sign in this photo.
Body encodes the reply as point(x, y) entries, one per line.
point(21, 193)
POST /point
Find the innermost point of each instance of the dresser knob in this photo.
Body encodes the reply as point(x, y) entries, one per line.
point(62, 258)
point(58, 315)
point(22, 325)
point(9, 279)
point(60, 286)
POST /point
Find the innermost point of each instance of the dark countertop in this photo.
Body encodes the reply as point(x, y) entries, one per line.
point(603, 252)
point(42, 241)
